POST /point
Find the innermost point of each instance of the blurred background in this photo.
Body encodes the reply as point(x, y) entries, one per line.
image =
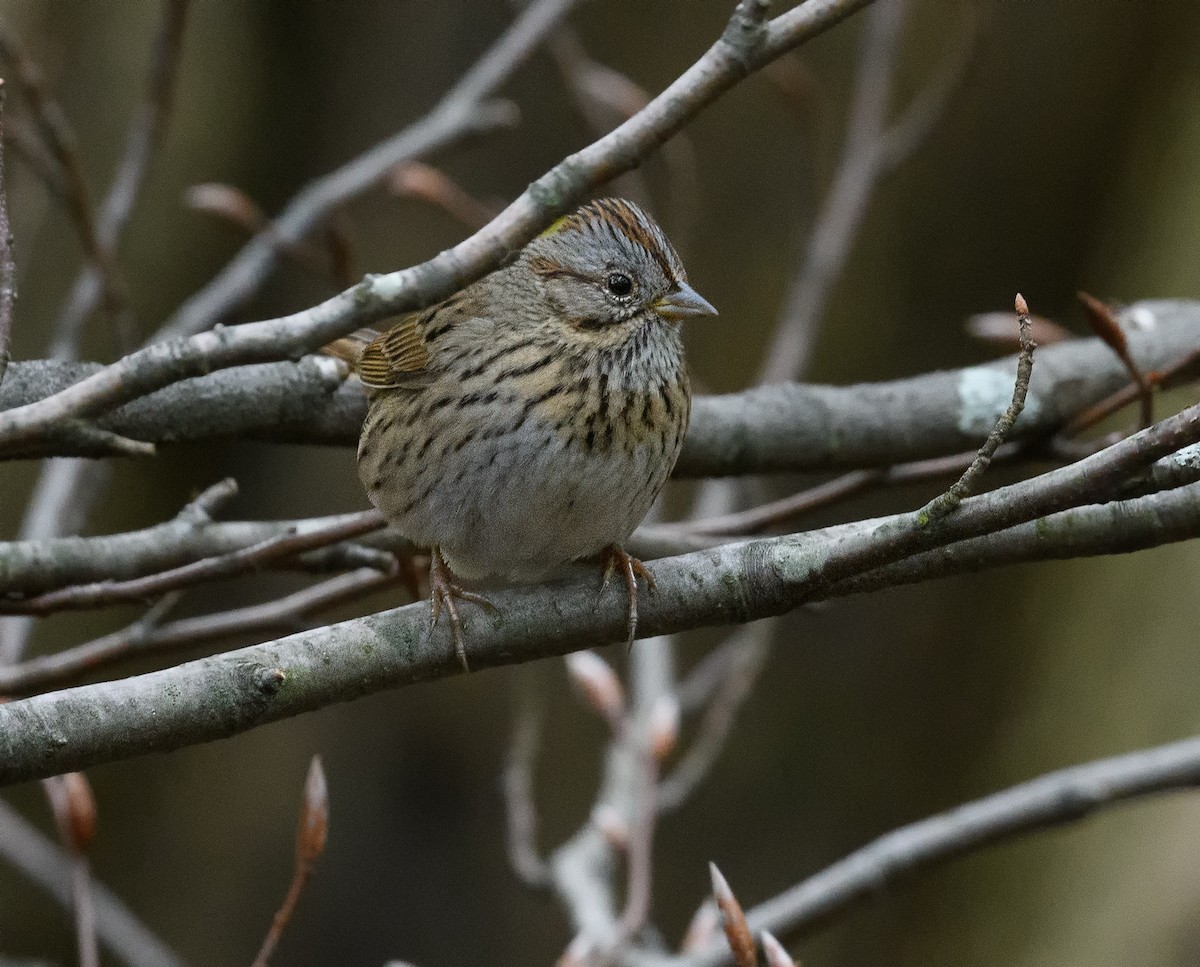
point(1068, 158)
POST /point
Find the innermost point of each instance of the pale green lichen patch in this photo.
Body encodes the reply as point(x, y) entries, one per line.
point(795, 563)
point(1188, 457)
point(984, 393)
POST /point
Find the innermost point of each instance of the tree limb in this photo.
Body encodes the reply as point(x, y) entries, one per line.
point(784, 427)
point(239, 690)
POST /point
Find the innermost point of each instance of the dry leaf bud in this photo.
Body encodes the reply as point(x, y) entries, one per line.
point(1104, 323)
point(612, 826)
point(81, 810)
point(706, 921)
point(226, 202)
point(599, 684)
point(664, 726)
point(776, 955)
point(737, 931)
point(577, 953)
point(314, 814)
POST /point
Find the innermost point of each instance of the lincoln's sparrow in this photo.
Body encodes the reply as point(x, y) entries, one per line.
point(532, 418)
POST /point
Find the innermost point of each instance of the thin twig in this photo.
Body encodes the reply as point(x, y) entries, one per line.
point(45, 864)
point(141, 140)
point(234, 206)
point(517, 782)
point(919, 119)
point(419, 180)
point(786, 510)
point(464, 110)
point(1186, 369)
point(845, 204)
point(947, 502)
point(285, 614)
point(104, 593)
point(310, 844)
point(74, 809)
point(59, 137)
point(751, 646)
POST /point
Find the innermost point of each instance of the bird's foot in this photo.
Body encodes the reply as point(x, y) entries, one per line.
point(614, 557)
point(442, 591)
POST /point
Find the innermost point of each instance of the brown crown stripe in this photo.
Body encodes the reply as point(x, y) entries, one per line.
point(635, 225)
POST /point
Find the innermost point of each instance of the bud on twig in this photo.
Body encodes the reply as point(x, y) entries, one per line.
point(612, 826)
point(74, 808)
point(737, 931)
point(314, 815)
point(310, 843)
point(81, 810)
point(599, 684)
point(776, 955)
point(703, 927)
point(577, 952)
point(664, 726)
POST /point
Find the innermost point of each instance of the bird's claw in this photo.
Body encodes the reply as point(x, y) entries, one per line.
point(442, 592)
point(631, 570)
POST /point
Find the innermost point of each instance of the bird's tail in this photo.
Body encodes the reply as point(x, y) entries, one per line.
point(350, 348)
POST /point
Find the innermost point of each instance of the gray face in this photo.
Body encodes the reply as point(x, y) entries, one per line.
point(608, 264)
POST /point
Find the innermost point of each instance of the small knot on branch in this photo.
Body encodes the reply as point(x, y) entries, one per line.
point(747, 29)
point(268, 680)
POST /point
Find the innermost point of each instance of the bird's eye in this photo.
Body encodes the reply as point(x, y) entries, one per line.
point(619, 284)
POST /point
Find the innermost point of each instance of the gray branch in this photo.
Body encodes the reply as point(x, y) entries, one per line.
point(1065, 796)
point(230, 693)
point(784, 427)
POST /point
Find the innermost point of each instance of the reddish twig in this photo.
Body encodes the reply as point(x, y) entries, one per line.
point(737, 931)
point(1186, 369)
point(234, 206)
point(419, 180)
point(74, 808)
point(310, 844)
point(1104, 323)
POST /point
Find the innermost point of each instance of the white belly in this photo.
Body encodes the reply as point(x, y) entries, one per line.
point(524, 504)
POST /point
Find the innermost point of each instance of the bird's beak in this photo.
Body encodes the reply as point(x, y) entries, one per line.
point(683, 302)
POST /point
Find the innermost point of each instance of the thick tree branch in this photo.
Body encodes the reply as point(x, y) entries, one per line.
point(239, 690)
point(784, 427)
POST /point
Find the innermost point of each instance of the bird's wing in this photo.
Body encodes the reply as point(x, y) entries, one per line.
point(397, 358)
